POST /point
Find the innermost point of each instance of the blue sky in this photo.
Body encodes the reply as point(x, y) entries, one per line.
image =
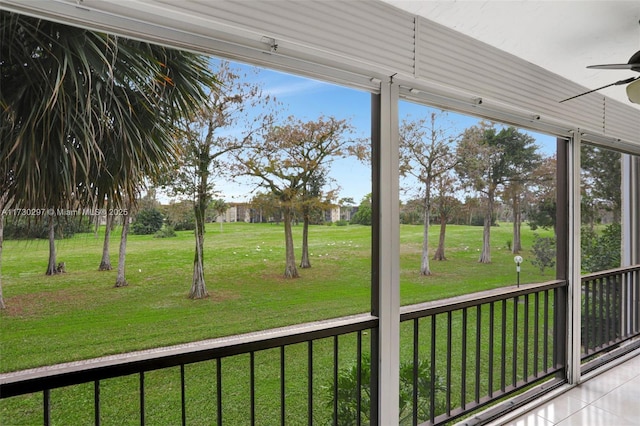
point(309, 99)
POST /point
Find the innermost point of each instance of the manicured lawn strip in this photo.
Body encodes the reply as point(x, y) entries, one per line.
point(80, 315)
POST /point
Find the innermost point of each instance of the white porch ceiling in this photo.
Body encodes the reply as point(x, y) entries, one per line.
point(560, 36)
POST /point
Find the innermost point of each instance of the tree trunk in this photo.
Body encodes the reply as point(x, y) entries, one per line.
point(290, 270)
point(198, 287)
point(485, 256)
point(105, 263)
point(517, 221)
point(439, 255)
point(121, 280)
point(51, 268)
point(305, 262)
point(424, 266)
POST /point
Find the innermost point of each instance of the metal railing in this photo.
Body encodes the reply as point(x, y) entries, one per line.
point(499, 342)
point(610, 310)
point(319, 339)
point(457, 356)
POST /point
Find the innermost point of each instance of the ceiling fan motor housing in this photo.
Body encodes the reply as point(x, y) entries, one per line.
point(635, 61)
point(633, 92)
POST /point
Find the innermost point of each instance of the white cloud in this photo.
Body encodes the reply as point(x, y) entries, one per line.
point(294, 88)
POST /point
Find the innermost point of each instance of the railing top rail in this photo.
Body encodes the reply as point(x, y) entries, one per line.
point(474, 299)
point(49, 377)
point(610, 272)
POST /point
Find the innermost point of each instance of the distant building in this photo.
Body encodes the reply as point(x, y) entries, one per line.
point(237, 212)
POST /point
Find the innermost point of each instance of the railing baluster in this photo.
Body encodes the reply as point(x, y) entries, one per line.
point(219, 390)
point(503, 349)
point(142, 398)
point(616, 325)
point(414, 393)
point(463, 372)
point(594, 318)
point(310, 382)
point(96, 402)
point(607, 311)
point(335, 380)
point(46, 407)
point(432, 373)
point(252, 386)
point(478, 337)
point(449, 362)
point(359, 378)
point(525, 348)
point(183, 396)
point(514, 360)
point(545, 328)
point(600, 312)
point(492, 312)
point(282, 387)
point(536, 334)
point(586, 318)
point(626, 296)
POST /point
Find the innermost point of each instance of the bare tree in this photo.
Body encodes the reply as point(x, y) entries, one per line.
point(207, 140)
point(287, 159)
point(426, 153)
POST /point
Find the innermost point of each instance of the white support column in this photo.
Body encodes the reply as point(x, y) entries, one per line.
point(575, 284)
point(389, 265)
point(630, 217)
point(630, 206)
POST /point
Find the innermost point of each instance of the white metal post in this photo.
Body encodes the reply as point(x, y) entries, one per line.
point(389, 263)
point(574, 274)
point(630, 214)
point(630, 192)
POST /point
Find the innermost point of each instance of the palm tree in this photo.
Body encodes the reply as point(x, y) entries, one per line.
point(86, 115)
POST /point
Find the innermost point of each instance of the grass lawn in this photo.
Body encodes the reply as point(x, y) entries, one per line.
point(79, 314)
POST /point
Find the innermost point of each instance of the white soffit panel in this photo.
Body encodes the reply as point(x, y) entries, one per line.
point(367, 32)
point(344, 42)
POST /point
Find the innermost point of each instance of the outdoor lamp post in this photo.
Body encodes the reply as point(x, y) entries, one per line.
point(518, 260)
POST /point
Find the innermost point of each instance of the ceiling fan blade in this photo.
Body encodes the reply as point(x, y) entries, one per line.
point(633, 64)
point(617, 83)
point(635, 67)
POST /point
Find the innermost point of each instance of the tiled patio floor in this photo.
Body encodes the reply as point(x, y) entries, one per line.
point(611, 398)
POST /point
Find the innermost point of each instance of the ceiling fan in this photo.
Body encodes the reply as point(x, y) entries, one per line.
point(633, 88)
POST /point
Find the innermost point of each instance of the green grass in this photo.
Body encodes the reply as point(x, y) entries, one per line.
point(80, 315)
